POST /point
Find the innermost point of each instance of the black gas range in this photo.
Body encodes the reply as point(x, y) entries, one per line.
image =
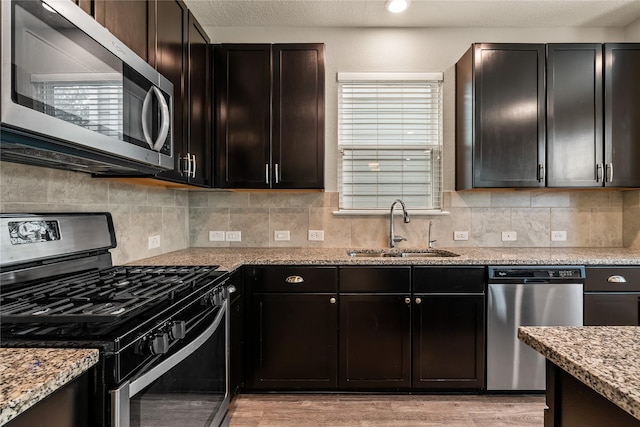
point(150, 323)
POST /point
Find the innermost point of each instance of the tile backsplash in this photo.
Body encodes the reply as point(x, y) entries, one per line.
point(590, 218)
point(138, 211)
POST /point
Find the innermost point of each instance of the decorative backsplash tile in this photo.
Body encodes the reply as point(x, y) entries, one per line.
point(184, 218)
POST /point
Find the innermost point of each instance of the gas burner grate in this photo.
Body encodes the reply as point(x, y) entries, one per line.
point(101, 296)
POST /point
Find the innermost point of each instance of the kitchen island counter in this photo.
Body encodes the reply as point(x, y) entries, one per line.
point(233, 258)
point(28, 375)
point(604, 358)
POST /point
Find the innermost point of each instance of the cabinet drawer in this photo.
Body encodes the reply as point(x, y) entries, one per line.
point(598, 279)
point(293, 279)
point(375, 279)
point(449, 279)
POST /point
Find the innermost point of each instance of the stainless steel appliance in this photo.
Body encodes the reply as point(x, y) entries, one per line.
point(527, 296)
point(75, 97)
point(612, 296)
point(162, 331)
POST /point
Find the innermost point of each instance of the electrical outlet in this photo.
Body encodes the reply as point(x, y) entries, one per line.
point(558, 236)
point(316, 235)
point(460, 235)
point(154, 241)
point(509, 236)
point(216, 236)
point(281, 236)
point(233, 236)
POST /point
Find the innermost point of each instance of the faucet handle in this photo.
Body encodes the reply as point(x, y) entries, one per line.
point(399, 239)
point(431, 242)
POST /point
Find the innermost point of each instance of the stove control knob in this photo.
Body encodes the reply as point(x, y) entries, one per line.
point(217, 298)
point(159, 343)
point(178, 330)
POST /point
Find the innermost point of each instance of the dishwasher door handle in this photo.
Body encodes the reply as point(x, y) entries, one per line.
point(534, 281)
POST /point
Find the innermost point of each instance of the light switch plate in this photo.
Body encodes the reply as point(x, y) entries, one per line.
point(233, 236)
point(281, 236)
point(558, 236)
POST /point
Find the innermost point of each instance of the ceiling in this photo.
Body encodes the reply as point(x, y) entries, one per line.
point(421, 13)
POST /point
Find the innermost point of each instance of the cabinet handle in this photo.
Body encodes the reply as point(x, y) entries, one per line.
point(294, 279)
point(616, 279)
point(598, 172)
point(266, 173)
point(407, 300)
point(185, 165)
point(609, 172)
point(541, 172)
point(332, 300)
point(277, 175)
point(418, 300)
point(193, 171)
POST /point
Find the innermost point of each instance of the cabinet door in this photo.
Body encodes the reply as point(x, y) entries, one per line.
point(127, 20)
point(243, 121)
point(198, 101)
point(298, 116)
point(448, 342)
point(169, 58)
point(375, 344)
point(622, 110)
point(575, 147)
point(509, 148)
point(294, 338)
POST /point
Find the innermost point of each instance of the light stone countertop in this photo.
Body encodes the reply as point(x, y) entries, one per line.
point(233, 258)
point(605, 358)
point(28, 375)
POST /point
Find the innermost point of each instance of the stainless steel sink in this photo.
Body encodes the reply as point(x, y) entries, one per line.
point(431, 253)
point(399, 253)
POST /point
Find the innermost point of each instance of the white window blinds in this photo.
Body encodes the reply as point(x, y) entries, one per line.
point(390, 139)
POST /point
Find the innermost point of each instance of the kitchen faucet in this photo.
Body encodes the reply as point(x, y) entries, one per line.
point(431, 242)
point(392, 236)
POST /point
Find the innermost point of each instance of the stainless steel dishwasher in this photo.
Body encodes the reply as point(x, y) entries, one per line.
point(527, 296)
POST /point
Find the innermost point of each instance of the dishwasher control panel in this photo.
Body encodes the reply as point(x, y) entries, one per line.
point(537, 272)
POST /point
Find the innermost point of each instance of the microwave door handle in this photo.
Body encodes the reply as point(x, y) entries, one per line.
point(146, 104)
point(166, 120)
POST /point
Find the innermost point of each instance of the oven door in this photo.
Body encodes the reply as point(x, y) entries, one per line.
point(188, 388)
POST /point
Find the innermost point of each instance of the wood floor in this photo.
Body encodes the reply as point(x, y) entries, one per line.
point(386, 410)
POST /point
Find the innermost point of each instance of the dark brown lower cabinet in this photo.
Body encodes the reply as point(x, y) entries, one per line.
point(571, 403)
point(448, 328)
point(448, 342)
point(375, 342)
point(294, 340)
point(375, 328)
point(360, 328)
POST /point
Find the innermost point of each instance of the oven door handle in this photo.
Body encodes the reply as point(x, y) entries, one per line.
point(121, 396)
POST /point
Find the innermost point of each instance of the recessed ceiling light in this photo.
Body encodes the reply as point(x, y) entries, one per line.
point(397, 6)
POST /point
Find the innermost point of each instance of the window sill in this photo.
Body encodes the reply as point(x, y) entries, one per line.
point(385, 212)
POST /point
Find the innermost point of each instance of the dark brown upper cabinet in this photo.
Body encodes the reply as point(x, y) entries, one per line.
point(182, 56)
point(500, 116)
point(269, 114)
point(128, 20)
point(622, 114)
point(575, 147)
point(592, 106)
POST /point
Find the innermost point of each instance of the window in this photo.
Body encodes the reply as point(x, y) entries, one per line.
point(390, 140)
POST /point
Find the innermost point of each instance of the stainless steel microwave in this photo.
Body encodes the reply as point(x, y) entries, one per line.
point(74, 97)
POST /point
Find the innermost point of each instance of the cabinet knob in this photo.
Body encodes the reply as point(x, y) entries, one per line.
point(294, 279)
point(616, 279)
point(418, 300)
point(407, 300)
point(332, 300)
